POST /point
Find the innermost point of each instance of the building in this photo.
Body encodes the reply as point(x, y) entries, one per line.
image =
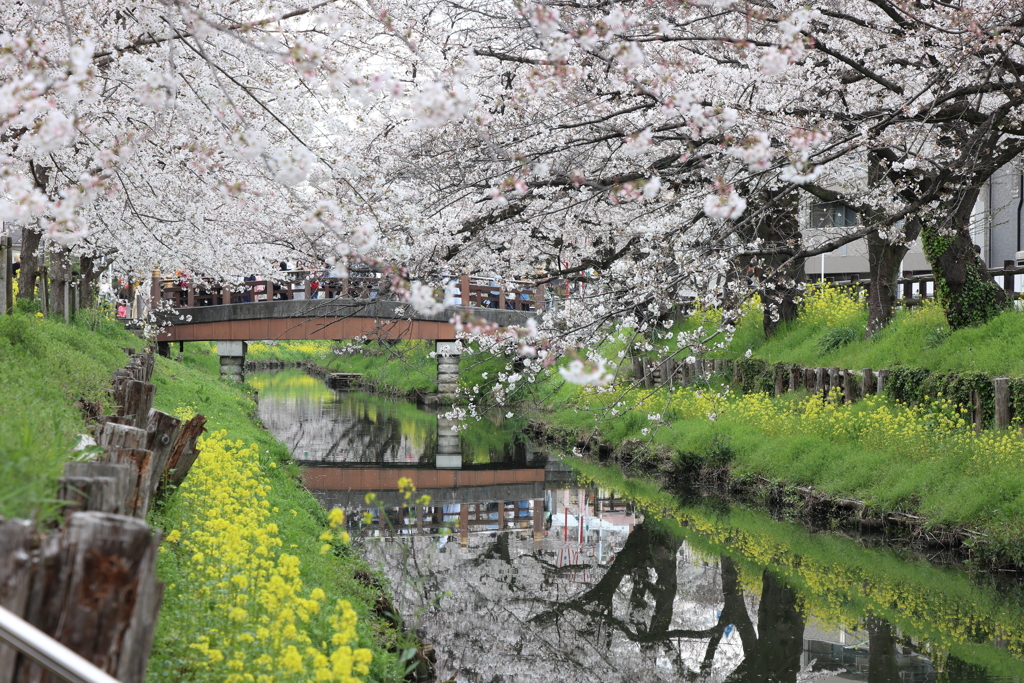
point(997, 226)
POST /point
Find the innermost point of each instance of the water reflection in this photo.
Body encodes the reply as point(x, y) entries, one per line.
point(323, 427)
point(518, 571)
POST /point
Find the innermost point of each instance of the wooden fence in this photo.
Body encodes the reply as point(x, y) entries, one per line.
point(92, 584)
point(914, 289)
point(842, 384)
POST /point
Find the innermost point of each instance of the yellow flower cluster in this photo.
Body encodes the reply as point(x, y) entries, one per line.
point(937, 429)
point(310, 348)
point(832, 306)
point(259, 619)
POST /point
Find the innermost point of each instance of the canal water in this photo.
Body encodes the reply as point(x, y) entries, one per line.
point(521, 568)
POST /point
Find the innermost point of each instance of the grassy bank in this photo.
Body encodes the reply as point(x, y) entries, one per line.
point(51, 375)
point(244, 490)
point(268, 515)
point(924, 459)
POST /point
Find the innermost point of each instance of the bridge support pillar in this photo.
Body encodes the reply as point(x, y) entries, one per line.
point(232, 360)
point(449, 453)
point(448, 367)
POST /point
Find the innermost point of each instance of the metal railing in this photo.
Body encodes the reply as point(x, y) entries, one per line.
point(56, 658)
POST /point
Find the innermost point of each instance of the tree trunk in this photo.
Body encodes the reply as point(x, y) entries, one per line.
point(775, 656)
point(60, 274)
point(884, 259)
point(87, 282)
point(969, 295)
point(29, 264)
point(779, 226)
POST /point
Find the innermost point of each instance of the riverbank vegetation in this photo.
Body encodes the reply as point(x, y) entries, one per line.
point(52, 376)
point(892, 456)
point(245, 541)
point(246, 514)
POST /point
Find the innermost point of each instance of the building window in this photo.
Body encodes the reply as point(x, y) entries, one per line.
point(827, 215)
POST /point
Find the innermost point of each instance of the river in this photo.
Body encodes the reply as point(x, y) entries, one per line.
point(522, 568)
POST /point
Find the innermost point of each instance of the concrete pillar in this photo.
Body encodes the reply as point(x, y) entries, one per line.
point(447, 367)
point(449, 454)
point(232, 360)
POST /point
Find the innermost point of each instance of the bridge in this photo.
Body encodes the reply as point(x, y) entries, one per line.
point(310, 306)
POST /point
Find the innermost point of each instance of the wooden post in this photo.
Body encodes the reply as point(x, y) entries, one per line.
point(501, 296)
point(851, 387)
point(867, 382)
point(883, 377)
point(835, 382)
point(795, 375)
point(780, 384)
point(1008, 266)
point(737, 378)
point(977, 414)
point(538, 519)
point(820, 377)
point(464, 523)
point(648, 377)
point(502, 521)
point(5, 275)
point(809, 379)
point(1002, 392)
point(67, 301)
point(155, 290)
point(670, 371)
point(684, 374)
point(307, 288)
point(908, 287)
point(191, 294)
point(464, 290)
point(44, 284)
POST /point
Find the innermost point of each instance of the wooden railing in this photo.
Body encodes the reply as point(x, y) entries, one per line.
point(913, 289)
point(481, 292)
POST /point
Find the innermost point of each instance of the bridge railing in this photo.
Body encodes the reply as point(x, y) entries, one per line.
point(482, 292)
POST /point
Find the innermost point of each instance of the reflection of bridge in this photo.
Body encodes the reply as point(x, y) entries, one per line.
point(478, 498)
point(346, 487)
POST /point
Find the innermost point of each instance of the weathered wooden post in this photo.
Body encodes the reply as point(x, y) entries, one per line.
point(669, 374)
point(795, 375)
point(647, 373)
point(977, 414)
point(6, 289)
point(851, 387)
point(464, 290)
point(684, 374)
point(44, 284)
point(883, 377)
point(835, 382)
point(820, 378)
point(780, 385)
point(867, 382)
point(1001, 385)
point(538, 519)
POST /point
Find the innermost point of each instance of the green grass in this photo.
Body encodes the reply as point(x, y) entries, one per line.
point(193, 383)
point(49, 372)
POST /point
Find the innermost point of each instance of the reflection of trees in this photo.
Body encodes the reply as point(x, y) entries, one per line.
point(341, 432)
point(775, 654)
point(881, 652)
point(507, 608)
point(643, 552)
